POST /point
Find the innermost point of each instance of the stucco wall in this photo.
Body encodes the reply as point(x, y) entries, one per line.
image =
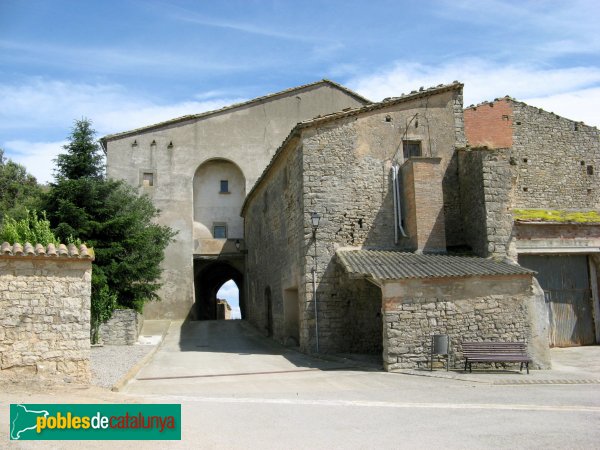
point(467, 309)
point(246, 136)
point(45, 318)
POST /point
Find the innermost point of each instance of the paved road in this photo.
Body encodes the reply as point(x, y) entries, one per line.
point(240, 390)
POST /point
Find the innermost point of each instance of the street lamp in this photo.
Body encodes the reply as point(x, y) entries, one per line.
point(238, 245)
point(314, 219)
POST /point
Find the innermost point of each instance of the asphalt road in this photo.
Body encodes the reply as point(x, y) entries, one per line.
point(239, 390)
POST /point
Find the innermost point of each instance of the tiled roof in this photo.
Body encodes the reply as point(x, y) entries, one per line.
point(237, 105)
point(50, 251)
point(392, 265)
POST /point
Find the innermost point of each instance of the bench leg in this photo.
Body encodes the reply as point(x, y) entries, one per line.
point(466, 362)
point(521, 368)
point(470, 367)
point(527, 365)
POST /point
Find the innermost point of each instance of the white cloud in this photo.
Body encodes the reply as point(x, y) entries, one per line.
point(486, 80)
point(37, 113)
point(37, 157)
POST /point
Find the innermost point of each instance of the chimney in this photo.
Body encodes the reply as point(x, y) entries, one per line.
point(424, 204)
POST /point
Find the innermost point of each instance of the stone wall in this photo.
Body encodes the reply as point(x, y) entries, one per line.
point(340, 168)
point(556, 160)
point(45, 314)
point(274, 230)
point(487, 180)
point(553, 156)
point(467, 309)
point(360, 302)
point(123, 328)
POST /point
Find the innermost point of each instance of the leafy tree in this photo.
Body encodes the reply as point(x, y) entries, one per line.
point(19, 190)
point(109, 216)
point(31, 229)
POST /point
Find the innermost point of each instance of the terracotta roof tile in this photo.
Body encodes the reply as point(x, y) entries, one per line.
point(50, 251)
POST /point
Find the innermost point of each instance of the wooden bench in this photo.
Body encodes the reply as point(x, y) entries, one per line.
point(515, 352)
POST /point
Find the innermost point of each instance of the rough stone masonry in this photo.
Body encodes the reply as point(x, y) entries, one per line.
point(45, 313)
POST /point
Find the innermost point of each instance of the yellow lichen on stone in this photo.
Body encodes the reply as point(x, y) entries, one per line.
point(557, 216)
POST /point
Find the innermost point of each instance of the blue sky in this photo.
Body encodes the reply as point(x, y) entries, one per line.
point(128, 63)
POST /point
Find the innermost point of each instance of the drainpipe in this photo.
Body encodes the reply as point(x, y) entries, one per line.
point(314, 283)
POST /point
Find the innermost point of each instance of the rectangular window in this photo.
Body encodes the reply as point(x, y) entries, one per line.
point(220, 231)
point(411, 149)
point(148, 179)
point(224, 187)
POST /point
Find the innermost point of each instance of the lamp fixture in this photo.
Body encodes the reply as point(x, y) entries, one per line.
point(315, 218)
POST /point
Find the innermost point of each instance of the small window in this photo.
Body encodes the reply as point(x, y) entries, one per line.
point(411, 149)
point(224, 187)
point(220, 231)
point(590, 170)
point(148, 179)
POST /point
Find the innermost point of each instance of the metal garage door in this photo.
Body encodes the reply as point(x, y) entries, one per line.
point(566, 284)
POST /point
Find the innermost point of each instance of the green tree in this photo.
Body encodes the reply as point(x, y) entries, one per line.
point(83, 158)
point(19, 190)
point(110, 216)
point(31, 229)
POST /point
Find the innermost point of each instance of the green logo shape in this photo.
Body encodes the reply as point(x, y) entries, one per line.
point(37, 422)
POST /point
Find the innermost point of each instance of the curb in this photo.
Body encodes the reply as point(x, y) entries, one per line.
point(131, 373)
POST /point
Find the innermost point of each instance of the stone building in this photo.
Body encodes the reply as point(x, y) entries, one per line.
point(404, 189)
point(534, 197)
point(383, 178)
point(197, 169)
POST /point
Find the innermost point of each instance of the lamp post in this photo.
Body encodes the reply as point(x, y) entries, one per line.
point(315, 218)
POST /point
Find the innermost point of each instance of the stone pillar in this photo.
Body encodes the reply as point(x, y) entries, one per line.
point(424, 204)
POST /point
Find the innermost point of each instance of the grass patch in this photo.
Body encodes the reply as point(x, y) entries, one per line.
point(557, 216)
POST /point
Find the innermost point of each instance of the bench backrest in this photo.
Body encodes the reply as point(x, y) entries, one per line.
point(494, 348)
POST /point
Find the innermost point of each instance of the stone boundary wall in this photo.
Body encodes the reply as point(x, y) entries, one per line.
point(45, 313)
point(123, 328)
point(505, 309)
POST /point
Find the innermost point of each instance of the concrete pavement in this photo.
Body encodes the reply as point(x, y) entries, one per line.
point(240, 390)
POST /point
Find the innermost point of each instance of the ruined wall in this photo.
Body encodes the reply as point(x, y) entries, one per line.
point(556, 159)
point(45, 314)
point(123, 328)
point(553, 156)
point(467, 309)
point(487, 181)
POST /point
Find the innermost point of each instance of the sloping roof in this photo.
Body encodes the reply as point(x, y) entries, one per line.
point(391, 101)
point(50, 251)
point(235, 106)
point(392, 265)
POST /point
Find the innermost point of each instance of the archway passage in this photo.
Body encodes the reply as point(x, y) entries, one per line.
point(209, 277)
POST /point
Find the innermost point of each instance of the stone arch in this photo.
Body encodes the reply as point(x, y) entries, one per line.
point(216, 204)
point(209, 276)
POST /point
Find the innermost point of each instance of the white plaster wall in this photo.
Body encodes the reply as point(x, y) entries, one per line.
point(212, 206)
point(247, 136)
